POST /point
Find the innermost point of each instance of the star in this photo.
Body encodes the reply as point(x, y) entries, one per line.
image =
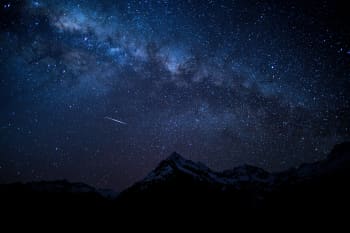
point(221, 83)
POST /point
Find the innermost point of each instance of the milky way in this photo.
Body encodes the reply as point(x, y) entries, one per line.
point(221, 82)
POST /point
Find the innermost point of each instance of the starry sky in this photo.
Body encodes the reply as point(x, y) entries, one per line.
point(101, 91)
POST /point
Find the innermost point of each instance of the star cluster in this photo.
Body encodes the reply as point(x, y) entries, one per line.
point(222, 82)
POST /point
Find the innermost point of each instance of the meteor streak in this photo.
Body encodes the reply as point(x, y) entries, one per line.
point(115, 120)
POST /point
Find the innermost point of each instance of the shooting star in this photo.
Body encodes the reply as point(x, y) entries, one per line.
point(115, 120)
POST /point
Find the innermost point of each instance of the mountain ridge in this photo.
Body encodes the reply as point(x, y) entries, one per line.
point(181, 183)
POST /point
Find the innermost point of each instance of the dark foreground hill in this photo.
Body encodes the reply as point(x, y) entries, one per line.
point(177, 184)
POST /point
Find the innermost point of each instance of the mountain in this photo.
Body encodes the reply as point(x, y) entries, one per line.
point(178, 184)
point(58, 186)
point(53, 196)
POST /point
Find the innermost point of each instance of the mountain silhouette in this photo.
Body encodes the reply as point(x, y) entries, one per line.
point(181, 184)
point(178, 183)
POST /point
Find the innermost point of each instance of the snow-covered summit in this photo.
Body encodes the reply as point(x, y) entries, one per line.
point(176, 165)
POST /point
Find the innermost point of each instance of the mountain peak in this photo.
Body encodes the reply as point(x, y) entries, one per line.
point(175, 163)
point(340, 151)
point(175, 157)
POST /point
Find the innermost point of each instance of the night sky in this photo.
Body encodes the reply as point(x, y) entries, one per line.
point(101, 91)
